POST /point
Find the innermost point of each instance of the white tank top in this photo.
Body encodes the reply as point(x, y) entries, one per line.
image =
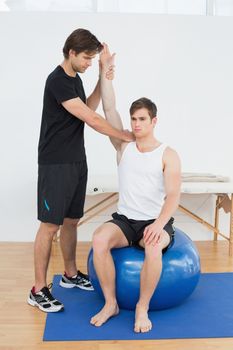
point(141, 184)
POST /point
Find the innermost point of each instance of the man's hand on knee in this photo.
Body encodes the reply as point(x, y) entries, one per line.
point(152, 233)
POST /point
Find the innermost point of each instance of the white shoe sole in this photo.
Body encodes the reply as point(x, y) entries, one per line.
point(72, 285)
point(34, 303)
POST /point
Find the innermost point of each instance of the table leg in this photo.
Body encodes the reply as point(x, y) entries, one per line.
point(216, 217)
point(231, 228)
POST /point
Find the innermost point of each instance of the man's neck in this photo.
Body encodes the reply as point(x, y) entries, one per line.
point(147, 144)
point(68, 68)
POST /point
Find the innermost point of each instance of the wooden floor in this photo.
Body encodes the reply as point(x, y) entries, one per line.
point(22, 326)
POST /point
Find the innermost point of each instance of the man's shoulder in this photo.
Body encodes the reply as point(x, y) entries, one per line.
point(121, 149)
point(59, 78)
point(57, 73)
point(170, 155)
point(170, 150)
point(124, 145)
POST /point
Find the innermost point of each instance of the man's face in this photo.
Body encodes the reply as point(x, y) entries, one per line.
point(141, 123)
point(81, 61)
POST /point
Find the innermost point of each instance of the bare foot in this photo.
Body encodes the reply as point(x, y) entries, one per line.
point(108, 311)
point(142, 322)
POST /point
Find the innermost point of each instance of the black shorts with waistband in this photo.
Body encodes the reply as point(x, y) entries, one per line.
point(133, 229)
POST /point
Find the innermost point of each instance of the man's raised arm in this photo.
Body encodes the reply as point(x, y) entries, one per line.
point(108, 95)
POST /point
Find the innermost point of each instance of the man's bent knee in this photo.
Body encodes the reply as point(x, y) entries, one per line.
point(100, 240)
point(154, 251)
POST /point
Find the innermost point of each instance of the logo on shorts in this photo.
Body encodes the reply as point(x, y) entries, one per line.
point(46, 205)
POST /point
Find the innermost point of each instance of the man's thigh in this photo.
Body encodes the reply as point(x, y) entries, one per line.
point(112, 234)
point(70, 222)
point(125, 226)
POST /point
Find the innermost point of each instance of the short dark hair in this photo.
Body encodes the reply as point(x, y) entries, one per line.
point(82, 40)
point(144, 102)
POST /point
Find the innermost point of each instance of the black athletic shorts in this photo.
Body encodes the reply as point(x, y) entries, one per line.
point(61, 191)
point(133, 229)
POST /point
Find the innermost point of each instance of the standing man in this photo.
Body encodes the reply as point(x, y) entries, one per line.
point(149, 190)
point(62, 175)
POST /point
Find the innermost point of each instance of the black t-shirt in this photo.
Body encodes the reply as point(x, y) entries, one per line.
point(61, 134)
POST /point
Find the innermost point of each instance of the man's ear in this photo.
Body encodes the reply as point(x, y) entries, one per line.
point(72, 53)
point(154, 121)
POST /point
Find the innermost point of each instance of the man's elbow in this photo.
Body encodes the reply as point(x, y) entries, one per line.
point(109, 110)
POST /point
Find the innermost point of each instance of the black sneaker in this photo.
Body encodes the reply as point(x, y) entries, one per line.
point(80, 280)
point(44, 300)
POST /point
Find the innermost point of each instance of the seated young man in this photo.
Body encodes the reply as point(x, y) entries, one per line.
point(149, 191)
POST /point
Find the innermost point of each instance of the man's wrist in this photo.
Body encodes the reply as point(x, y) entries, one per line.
point(160, 221)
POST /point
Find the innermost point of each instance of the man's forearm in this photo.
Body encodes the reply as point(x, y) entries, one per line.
point(94, 99)
point(106, 128)
point(107, 92)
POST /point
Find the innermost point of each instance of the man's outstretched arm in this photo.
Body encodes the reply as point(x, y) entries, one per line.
point(94, 99)
point(108, 95)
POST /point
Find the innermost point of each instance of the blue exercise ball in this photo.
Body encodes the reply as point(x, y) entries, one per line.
point(180, 274)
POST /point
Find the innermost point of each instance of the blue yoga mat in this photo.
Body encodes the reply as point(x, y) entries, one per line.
point(207, 313)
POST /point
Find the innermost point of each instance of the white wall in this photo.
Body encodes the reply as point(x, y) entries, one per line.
point(183, 63)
